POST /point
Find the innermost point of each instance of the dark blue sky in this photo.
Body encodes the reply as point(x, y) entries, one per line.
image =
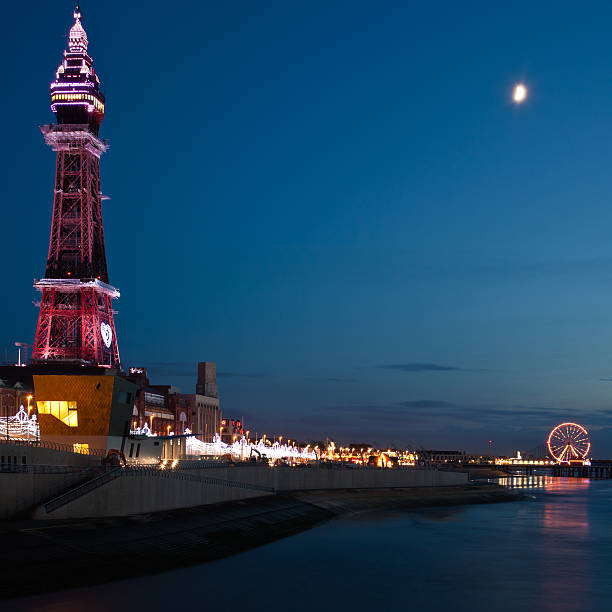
point(339, 204)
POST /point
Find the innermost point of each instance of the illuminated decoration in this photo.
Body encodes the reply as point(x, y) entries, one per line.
point(65, 411)
point(145, 430)
point(241, 449)
point(569, 443)
point(519, 93)
point(75, 94)
point(107, 334)
point(20, 427)
point(76, 319)
point(80, 447)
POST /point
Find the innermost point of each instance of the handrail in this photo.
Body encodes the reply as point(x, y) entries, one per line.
point(79, 491)
point(12, 468)
point(193, 478)
point(98, 452)
point(107, 477)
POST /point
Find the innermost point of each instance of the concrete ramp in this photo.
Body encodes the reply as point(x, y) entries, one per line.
point(126, 492)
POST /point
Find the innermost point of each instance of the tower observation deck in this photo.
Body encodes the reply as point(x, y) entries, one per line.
point(76, 321)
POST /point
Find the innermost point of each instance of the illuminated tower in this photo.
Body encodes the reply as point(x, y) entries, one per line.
point(76, 323)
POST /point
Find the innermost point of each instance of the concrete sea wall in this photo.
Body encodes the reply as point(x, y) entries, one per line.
point(30, 475)
point(20, 492)
point(134, 492)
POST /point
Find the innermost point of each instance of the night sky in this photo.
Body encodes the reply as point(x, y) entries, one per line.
point(339, 203)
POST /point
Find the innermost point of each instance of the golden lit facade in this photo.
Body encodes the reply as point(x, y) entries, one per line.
point(84, 412)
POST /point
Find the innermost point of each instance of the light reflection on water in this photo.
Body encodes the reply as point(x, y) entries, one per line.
point(552, 552)
point(549, 483)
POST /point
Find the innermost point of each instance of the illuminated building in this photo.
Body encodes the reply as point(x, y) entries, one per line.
point(151, 405)
point(231, 430)
point(75, 323)
point(442, 456)
point(84, 412)
point(16, 390)
point(164, 408)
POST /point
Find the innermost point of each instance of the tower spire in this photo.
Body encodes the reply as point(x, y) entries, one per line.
point(75, 93)
point(76, 322)
point(77, 38)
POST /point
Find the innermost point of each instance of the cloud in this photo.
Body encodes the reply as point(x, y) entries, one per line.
point(419, 367)
point(185, 368)
point(171, 368)
point(241, 375)
point(428, 413)
point(427, 404)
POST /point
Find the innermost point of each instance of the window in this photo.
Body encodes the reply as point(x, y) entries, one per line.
point(65, 411)
point(125, 397)
point(79, 447)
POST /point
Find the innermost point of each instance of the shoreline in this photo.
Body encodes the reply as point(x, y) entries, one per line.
point(66, 554)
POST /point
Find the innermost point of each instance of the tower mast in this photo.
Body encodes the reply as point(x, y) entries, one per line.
point(76, 321)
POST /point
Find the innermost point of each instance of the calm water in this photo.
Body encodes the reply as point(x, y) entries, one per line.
point(553, 552)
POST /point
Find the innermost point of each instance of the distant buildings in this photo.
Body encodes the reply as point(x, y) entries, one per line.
point(442, 456)
point(231, 430)
point(15, 391)
point(165, 409)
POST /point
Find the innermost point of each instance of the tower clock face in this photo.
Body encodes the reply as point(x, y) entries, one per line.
point(106, 333)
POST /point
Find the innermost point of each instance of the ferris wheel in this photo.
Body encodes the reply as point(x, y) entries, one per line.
point(568, 442)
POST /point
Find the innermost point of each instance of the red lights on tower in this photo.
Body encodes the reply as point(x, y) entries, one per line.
point(76, 322)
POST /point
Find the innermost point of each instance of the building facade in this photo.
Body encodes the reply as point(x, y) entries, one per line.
point(231, 430)
point(165, 409)
point(200, 412)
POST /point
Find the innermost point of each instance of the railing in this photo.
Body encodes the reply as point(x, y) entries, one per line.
point(194, 478)
point(81, 490)
point(98, 452)
point(13, 468)
point(107, 477)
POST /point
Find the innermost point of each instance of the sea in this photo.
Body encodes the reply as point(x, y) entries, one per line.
point(550, 552)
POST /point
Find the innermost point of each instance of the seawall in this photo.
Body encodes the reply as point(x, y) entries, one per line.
point(146, 491)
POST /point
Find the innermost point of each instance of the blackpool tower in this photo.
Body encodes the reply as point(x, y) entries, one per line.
point(75, 324)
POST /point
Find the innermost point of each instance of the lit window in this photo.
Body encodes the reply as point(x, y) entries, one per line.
point(82, 448)
point(66, 412)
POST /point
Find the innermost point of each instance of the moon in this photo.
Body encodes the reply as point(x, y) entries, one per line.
point(520, 93)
